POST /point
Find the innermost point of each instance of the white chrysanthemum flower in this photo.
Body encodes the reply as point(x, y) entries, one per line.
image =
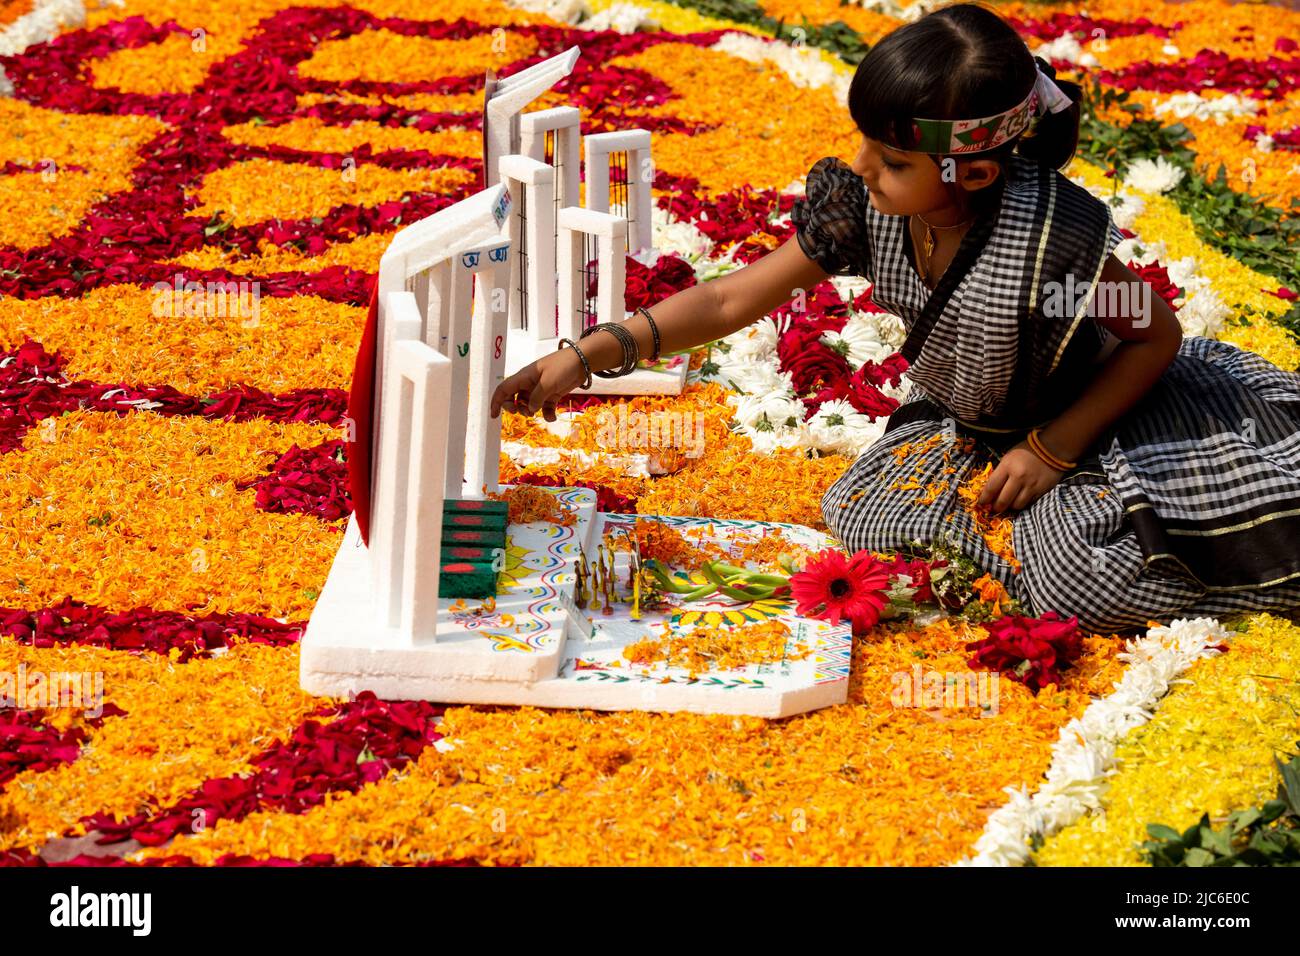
point(897, 392)
point(711, 267)
point(1185, 274)
point(859, 342)
point(1153, 176)
point(1077, 761)
point(1125, 207)
point(632, 464)
point(1113, 722)
point(670, 234)
point(1141, 251)
point(807, 67)
point(768, 440)
point(868, 325)
point(779, 411)
point(1061, 809)
point(899, 11)
point(621, 18)
point(1170, 49)
point(835, 426)
point(755, 378)
point(862, 438)
point(850, 287)
point(1005, 840)
point(892, 329)
point(1066, 47)
point(797, 187)
point(1204, 313)
point(1264, 143)
point(565, 11)
point(1219, 108)
point(1125, 210)
point(39, 25)
point(755, 341)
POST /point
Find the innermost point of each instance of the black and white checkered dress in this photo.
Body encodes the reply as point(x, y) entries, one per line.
point(1189, 505)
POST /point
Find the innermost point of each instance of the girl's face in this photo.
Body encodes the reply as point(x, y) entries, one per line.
point(905, 183)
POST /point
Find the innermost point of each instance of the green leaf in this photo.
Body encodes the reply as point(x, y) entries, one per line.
point(1271, 810)
point(1289, 789)
point(1162, 832)
point(1216, 841)
point(1244, 819)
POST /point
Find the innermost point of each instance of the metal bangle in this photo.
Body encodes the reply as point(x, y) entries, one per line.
point(631, 351)
point(654, 331)
point(586, 366)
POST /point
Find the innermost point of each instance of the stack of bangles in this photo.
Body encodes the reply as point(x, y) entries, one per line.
point(1036, 444)
point(631, 351)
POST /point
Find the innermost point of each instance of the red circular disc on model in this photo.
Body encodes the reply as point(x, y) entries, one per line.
point(361, 415)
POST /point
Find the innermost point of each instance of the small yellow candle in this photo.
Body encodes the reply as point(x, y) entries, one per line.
point(636, 594)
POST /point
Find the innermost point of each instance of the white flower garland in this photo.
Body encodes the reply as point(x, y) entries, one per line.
point(1066, 47)
point(622, 17)
point(900, 11)
point(1219, 108)
point(806, 66)
point(40, 24)
point(1200, 308)
point(565, 11)
point(1083, 758)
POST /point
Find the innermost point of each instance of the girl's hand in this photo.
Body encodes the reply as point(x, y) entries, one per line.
point(1019, 479)
point(539, 385)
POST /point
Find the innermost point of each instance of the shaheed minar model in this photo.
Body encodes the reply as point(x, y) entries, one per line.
point(434, 594)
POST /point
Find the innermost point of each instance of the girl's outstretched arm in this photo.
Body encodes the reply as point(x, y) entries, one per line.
point(1149, 334)
point(691, 317)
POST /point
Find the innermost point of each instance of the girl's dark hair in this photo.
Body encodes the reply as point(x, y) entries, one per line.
point(960, 61)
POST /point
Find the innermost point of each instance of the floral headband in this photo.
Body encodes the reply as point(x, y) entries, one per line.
point(979, 135)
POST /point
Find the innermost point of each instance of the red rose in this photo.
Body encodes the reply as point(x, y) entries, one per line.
point(1032, 651)
point(1157, 276)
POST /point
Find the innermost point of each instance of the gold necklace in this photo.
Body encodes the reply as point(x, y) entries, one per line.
point(929, 240)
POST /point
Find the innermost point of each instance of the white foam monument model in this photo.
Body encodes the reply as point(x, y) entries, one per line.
point(556, 237)
point(380, 624)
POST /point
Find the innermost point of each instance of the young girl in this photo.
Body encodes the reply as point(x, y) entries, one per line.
point(1148, 475)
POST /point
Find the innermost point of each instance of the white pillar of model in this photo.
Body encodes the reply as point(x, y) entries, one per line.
point(487, 365)
point(532, 236)
point(610, 233)
point(562, 127)
point(423, 377)
point(421, 297)
point(635, 143)
point(505, 98)
point(406, 526)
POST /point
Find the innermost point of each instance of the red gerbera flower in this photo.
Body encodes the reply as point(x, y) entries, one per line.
point(832, 586)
